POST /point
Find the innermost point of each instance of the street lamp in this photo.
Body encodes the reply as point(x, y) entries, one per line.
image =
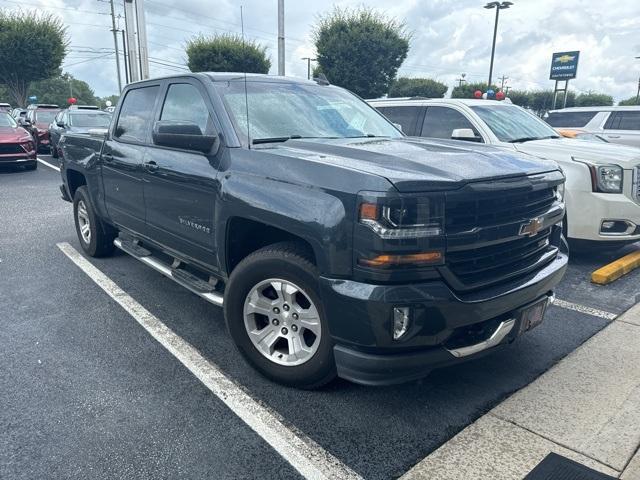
point(498, 6)
point(309, 60)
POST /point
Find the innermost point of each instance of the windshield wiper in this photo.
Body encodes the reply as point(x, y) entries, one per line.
point(529, 139)
point(257, 141)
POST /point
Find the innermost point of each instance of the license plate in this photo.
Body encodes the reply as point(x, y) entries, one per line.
point(532, 316)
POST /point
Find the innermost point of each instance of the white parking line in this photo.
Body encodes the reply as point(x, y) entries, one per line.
point(586, 310)
point(305, 455)
point(48, 164)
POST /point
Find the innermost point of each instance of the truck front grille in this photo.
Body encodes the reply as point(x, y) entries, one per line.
point(485, 244)
point(636, 184)
point(10, 148)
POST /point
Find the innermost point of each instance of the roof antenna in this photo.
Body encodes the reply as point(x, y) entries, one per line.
point(246, 95)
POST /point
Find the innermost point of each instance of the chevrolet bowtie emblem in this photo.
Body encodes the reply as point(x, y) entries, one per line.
point(532, 227)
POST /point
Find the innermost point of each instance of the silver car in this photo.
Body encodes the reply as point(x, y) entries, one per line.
point(614, 124)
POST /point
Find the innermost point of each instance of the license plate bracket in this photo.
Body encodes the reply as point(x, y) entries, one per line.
point(532, 316)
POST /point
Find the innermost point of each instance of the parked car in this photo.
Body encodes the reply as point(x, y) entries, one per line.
point(5, 107)
point(16, 144)
point(602, 193)
point(616, 124)
point(581, 135)
point(37, 121)
point(75, 120)
point(336, 245)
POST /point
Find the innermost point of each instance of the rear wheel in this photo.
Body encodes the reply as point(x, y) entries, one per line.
point(275, 316)
point(96, 237)
point(54, 151)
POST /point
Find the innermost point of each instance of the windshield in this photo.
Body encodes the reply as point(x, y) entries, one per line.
point(7, 121)
point(99, 120)
point(45, 116)
point(278, 111)
point(513, 124)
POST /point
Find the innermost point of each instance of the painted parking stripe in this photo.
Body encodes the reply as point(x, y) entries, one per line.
point(586, 310)
point(305, 455)
point(48, 164)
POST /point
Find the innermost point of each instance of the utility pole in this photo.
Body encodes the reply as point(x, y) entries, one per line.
point(143, 48)
point(115, 44)
point(638, 94)
point(125, 57)
point(498, 6)
point(309, 60)
point(129, 21)
point(461, 80)
point(503, 79)
point(281, 37)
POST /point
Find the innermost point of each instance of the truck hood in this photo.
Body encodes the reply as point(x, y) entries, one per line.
point(560, 149)
point(413, 164)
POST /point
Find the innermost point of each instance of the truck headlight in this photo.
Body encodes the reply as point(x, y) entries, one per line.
point(608, 178)
point(560, 192)
point(402, 217)
point(604, 178)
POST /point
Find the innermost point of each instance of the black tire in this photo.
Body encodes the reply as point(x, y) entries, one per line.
point(54, 151)
point(101, 238)
point(287, 261)
point(32, 165)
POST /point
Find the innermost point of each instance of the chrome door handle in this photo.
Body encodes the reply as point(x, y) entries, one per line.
point(151, 166)
point(613, 136)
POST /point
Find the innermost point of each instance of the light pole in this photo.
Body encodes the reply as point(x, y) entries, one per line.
point(498, 6)
point(638, 94)
point(309, 60)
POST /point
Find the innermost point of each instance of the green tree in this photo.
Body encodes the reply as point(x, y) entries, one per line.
point(631, 101)
point(360, 50)
point(102, 101)
point(58, 89)
point(594, 99)
point(467, 90)
point(226, 53)
point(542, 101)
point(417, 87)
point(32, 47)
point(522, 98)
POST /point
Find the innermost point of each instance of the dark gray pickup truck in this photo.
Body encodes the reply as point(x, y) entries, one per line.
point(336, 245)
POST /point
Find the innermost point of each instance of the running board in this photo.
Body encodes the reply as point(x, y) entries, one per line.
point(182, 278)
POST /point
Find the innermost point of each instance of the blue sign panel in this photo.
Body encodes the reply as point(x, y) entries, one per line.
point(564, 65)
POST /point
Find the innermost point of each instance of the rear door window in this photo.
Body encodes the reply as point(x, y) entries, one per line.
point(570, 119)
point(406, 116)
point(440, 122)
point(136, 114)
point(629, 121)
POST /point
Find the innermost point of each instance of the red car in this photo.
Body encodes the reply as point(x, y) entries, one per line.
point(16, 144)
point(37, 121)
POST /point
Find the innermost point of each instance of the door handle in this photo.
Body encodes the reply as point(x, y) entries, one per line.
point(107, 157)
point(613, 136)
point(151, 166)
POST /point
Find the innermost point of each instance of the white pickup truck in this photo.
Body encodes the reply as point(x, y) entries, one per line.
point(602, 191)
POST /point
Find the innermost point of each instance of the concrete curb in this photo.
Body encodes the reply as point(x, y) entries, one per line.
point(616, 269)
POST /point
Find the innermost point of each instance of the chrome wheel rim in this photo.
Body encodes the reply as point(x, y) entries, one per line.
point(282, 322)
point(83, 222)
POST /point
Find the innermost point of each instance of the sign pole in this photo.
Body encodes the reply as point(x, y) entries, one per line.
point(555, 95)
point(566, 93)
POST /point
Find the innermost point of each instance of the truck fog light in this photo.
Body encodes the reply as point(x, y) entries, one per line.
point(401, 318)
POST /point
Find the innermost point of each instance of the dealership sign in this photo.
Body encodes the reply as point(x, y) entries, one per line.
point(564, 65)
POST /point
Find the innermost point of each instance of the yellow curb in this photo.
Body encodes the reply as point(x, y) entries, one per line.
point(616, 269)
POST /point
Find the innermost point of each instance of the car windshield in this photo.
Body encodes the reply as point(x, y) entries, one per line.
point(513, 124)
point(279, 111)
point(7, 121)
point(46, 116)
point(98, 120)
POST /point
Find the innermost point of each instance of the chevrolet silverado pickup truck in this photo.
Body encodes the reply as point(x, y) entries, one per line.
point(336, 245)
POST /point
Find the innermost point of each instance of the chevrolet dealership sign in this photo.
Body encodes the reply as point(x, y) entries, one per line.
point(564, 65)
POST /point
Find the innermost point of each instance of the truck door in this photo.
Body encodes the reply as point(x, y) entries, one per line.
point(623, 127)
point(181, 185)
point(122, 158)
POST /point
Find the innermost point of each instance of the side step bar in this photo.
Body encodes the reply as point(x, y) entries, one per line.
point(181, 277)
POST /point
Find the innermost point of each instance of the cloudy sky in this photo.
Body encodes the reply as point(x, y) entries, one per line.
point(450, 37)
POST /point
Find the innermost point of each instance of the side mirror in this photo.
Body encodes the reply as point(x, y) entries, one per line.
point(25, 121)
point(60, 124)
point(398, 126)
point(185, 135)
point(465, 134)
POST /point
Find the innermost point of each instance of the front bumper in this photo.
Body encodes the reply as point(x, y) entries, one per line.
point(18, 158)
point(360, 321)
point(585, 221)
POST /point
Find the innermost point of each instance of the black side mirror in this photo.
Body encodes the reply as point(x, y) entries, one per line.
point(25, 121)
point(185, 135)
point(61, 124)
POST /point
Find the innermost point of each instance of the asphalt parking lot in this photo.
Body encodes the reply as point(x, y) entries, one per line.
point(87, 392)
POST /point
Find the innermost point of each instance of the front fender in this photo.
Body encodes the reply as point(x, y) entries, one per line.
point(321, 217)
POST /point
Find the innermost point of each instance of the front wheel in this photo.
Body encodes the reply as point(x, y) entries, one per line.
point(96, 237)
point(275, 316)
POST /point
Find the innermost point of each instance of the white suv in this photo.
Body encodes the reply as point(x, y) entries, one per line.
point(614, 124)
point(602, 191)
